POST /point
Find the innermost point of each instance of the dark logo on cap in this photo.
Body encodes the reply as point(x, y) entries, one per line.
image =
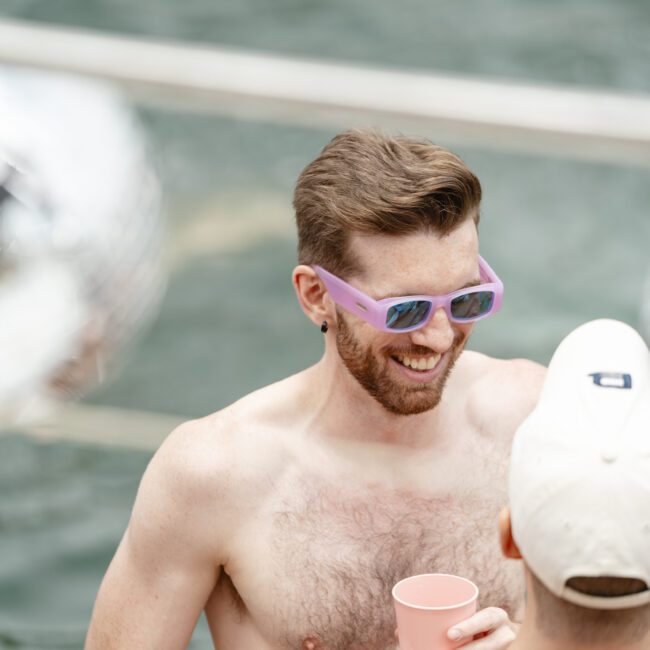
point(612, 379)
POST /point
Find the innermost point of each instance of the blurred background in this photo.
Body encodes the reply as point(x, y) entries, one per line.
point(569, 238)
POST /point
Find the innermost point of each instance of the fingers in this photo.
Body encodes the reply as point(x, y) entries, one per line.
point(499, 639)
point(491, 620)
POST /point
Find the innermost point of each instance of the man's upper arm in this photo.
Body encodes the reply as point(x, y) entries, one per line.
point(170, 556)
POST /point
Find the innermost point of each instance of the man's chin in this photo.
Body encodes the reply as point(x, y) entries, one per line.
point(409, 409)
point(406, 398)
point(397, 390)
point(410, 404)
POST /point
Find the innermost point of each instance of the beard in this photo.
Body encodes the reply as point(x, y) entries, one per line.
point(375, 376)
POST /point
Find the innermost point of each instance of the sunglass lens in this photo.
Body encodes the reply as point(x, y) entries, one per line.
point(472, 305)
point(407, 314)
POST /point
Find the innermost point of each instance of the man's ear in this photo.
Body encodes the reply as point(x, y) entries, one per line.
point(313, 296)
point(508, 545)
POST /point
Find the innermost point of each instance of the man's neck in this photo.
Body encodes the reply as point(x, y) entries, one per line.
point(530, 637)
point(344, 410)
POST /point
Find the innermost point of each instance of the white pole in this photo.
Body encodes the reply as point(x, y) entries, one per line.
point(603, 126)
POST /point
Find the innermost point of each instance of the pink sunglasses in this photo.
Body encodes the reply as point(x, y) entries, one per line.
point(408, 313)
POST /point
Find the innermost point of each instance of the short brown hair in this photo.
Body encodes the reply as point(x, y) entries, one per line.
point(369, 182)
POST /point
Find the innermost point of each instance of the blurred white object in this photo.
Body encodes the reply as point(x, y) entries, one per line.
point(80, 238)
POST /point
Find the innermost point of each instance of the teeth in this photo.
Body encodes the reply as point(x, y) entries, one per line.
point(424, 363)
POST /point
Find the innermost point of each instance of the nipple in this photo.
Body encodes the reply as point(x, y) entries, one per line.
point(310, 643)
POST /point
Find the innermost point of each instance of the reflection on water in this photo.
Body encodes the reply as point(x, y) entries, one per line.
point(62, 508)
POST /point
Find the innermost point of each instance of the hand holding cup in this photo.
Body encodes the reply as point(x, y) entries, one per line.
point(428, 605)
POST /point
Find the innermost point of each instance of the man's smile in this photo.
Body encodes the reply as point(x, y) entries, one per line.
point(419, 362)
point(422, 368)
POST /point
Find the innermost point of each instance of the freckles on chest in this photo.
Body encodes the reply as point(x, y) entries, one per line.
point(337, 557)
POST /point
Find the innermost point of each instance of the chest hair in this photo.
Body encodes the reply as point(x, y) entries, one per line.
point(338, 553)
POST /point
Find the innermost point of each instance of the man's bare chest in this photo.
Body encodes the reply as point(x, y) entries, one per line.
point(334, 551)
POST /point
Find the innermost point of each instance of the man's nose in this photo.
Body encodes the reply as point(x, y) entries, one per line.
point(437, 334)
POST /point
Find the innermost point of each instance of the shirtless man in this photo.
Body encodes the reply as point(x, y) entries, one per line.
point(289, 515)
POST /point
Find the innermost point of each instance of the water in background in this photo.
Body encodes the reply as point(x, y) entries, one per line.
point(570, 241)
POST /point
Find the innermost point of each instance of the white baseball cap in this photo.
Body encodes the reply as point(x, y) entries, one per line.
point(580, 468)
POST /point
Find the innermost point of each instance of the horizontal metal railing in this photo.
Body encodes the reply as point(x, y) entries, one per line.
point(596, 125)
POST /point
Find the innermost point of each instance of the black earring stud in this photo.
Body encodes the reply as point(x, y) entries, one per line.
point(324, 327)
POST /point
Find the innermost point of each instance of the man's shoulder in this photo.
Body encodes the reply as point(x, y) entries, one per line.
point(242, 442)
point(485, 368)
point(219, 458)
point(501, 392)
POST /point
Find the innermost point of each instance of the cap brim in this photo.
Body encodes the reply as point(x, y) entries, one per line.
point(605, 602)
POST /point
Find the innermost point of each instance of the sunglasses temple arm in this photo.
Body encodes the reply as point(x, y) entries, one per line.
point(487, 273)
point(348, 297)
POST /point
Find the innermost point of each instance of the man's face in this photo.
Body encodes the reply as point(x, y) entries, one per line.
point(406, 372)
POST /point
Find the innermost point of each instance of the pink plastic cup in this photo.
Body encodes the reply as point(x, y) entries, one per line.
point(426, 607)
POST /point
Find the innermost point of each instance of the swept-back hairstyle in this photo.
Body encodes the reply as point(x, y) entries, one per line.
point(368, 182)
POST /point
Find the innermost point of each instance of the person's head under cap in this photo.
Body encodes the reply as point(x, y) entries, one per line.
point(579, 495)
